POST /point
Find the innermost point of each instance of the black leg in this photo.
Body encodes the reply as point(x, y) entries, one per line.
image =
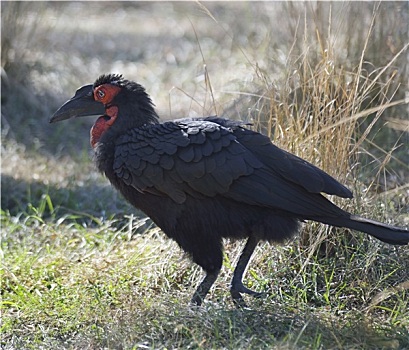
point(237, 286)
point(201, 291)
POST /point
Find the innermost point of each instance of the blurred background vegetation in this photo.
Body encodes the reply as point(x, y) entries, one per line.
point(264, 62)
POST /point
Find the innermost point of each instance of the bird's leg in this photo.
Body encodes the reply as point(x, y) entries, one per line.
point(201, 291)
point(237, 286)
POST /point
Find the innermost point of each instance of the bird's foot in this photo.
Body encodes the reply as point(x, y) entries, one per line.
point(203, 288)
point(197, 299)
point(236, 290)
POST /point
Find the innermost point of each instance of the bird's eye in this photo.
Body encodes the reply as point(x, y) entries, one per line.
point(101, 94)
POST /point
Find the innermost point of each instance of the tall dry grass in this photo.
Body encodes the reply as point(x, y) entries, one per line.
point(326, 109)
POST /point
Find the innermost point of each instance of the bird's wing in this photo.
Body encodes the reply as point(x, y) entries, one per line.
point(289, 166)
point(195, 157)
point(204, 158)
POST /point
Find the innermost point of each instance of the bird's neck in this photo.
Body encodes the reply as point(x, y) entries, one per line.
point(104, 153)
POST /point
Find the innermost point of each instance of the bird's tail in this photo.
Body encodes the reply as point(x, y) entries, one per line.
point(385, 233)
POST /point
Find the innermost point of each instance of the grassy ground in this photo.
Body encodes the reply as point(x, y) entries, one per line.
point(81, 269)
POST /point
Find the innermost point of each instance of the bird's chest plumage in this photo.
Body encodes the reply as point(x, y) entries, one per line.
point(104, 154)
point(104, 158)
point(156, 207)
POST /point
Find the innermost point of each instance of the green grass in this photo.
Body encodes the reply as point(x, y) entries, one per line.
point(65, 284)
point(82, 269)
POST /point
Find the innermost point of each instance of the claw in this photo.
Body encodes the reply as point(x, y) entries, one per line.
point(239, 288)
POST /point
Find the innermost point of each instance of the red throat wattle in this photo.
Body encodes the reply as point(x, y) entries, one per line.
point(102, 124)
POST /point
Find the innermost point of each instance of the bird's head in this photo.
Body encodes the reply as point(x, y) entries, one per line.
point(120, 104)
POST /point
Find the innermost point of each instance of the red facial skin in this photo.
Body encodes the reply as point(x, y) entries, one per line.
point(104, 93)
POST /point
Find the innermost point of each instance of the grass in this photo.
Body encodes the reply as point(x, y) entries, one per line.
point(81, 269)
point(69, 285)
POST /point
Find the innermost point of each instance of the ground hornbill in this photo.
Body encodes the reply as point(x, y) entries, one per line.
point(203, 179)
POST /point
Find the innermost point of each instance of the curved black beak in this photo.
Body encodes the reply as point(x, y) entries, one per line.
point(81, 105)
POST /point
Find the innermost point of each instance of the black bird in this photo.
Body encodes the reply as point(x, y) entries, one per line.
point(203, 179)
